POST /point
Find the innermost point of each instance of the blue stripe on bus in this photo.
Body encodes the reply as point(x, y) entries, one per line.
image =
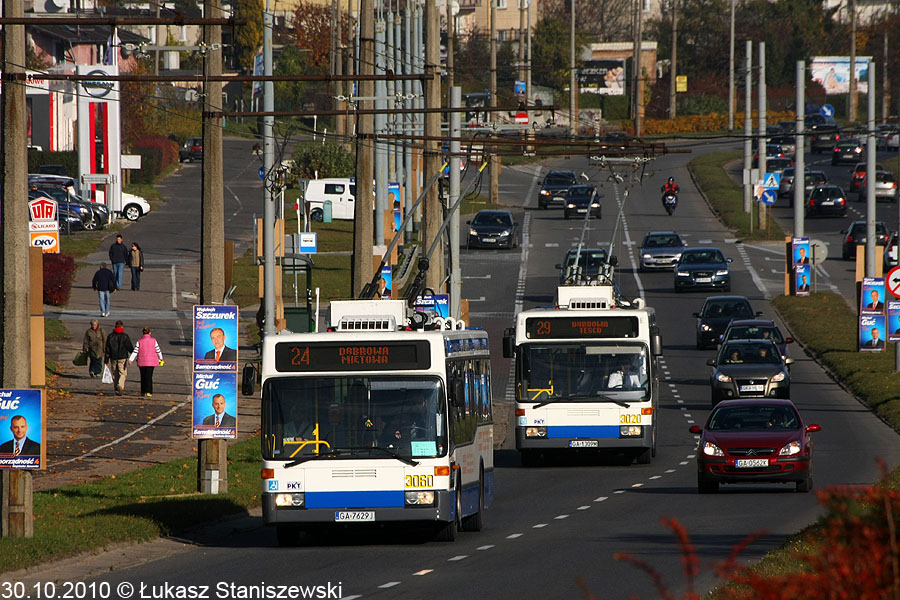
point(371, 499)
point(582, 431)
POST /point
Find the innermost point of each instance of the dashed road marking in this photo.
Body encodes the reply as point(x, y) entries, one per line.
point(487, 547)
point(389, 584)
point(458, 557)
point(513, 536)
point(423, 572)
point(539, 526)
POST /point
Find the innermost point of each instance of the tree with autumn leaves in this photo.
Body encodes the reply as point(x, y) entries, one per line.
point(312, 29)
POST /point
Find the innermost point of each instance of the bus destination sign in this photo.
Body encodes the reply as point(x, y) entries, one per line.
point(291, 357)
point(581, 327)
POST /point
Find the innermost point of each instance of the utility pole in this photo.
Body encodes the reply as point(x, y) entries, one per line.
point(159, 42)
point(573, 118)
point(731, 72)
point(16, 485)
point(455, 272)
point(522, 26)
point(673, 70)
point(434, 213)
point(495, 160)
point(408, 122)
point(638, 79)
point(363, 220)
point(212, 232)
point(885, 88)
point(800, 153)
point(853, 110)
point(761, 88)
point(391, 94)
point(451, 33)
point(528, 56)
point(381, 157)
point(871, 150)
point(337, 67)
point(748, 129)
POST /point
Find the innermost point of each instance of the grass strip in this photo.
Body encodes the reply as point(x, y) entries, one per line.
point(132, 507)
point(727, 198)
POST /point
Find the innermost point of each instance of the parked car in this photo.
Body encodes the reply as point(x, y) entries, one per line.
point(580, 266)
point(847, 150)
point(579, 198)
point(702, 268)
point(855, 235)
point(70, 218)
point(758, 440)
point(191, 150)
point(554, 187)
point(749, 369)
point(822, 138)
point(859, 173)
point(134, 207)
point(885, 187)
point(98, 217)
point(493, 229)
point(660, 250)
point(826, 200)
point(716, 314)
point(758, 329)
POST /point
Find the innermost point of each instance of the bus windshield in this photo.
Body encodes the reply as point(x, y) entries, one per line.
point(353, 416)
point(584, 372)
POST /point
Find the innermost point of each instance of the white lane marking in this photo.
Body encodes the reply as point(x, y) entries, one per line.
point(636, 485)
point(704, 241)
point(687, 415)
point(561, 517)
point(691, 456)
point(539, 526)
point(585, 507)
point(534, 180)
point(691, 421)
point(355, 596)
point(488, 547)
point(656, 477)
point(510, 395)
point(670, 470)
point(458, 557)
point(684, 462)
point(174, 290)
point(601, 498)
point(764, 249)
point(756, 280)
point(479, 299)
point(513, 536)
point(551, 245)
point(389, 584)
point(619, 492)
point(488, 276)
point(629, 244)
point(423, 572)
point(236, 199)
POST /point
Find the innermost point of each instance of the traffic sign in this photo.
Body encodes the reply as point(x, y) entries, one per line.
point(827, 110)
point(522, 118)
point(769, 197)
point(893, 281)
point(308, 243)
point(818, 251)
point(773, 180)
point(262, 172)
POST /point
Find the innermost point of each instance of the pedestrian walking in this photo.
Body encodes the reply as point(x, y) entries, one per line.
point(118, 348)
point(104, 283)
point(94, 345)
point(136, 263)
point(118, 256)
point(148, 356)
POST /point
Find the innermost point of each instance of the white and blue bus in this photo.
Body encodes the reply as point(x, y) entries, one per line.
point(373, 421)
point(586, 375)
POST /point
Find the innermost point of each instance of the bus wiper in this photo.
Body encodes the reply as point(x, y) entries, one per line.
point(393, 454)
point(303, 459)
point(551, 401)
point(351, 451)
point(604, 397)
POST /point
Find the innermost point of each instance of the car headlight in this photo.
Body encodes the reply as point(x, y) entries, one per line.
point(721, 272)
point(705, 327)
point(682, 274)
point(711, 449)
point(678, 256)
point(472, 231)
point(504, 233)
point(723, 378)
point(779, 377)
point(419, 498)
point(536, 432)
point(647, 256)
point(595, 205)
point(791, 449)
point(297, 499)
point(545, 193)
point(570, 205)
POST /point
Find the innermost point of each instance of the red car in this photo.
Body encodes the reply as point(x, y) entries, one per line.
point(755, 440)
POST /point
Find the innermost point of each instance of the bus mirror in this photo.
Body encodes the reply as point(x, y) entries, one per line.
point(248, 380)
point(656, 347)
point(509, 343)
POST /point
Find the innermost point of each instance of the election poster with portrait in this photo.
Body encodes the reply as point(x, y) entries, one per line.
point(436, 305)
point(215, 338)
point(800, 251)
point(871, 333)
point(23, 433)
point(893, 320)
point(801, 279)
point(215, 406)
point(871, 298)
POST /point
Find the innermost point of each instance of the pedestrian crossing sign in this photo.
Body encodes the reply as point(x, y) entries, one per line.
point(772, 181)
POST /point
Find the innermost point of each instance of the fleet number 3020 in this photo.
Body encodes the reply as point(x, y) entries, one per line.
point(629, 419)
point(419, 481)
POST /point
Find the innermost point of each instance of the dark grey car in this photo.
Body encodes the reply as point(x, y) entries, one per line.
point(554, 188)
point(749, 369)
point(493, 229)
point(700, 268)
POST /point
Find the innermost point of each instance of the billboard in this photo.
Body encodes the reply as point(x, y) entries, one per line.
point(833, 73)
point(214, 406)
point(605, 77)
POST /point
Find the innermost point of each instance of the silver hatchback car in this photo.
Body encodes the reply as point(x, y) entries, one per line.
point(660, 250)
point(885, 187)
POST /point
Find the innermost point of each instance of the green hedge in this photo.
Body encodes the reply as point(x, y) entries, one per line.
point(68, 159)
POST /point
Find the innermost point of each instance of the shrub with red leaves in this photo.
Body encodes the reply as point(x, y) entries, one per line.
point(59, 270)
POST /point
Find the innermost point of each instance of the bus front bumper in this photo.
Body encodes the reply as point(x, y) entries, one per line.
point(584, 438)
point(443, 510)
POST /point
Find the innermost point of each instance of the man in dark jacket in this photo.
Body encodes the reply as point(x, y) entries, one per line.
point(118, 255)
point(105, 283)
point(118, 349)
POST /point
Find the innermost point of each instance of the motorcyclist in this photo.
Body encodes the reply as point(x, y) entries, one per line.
point(670, 187)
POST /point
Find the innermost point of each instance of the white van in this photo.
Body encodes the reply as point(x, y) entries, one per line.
point(341, 191)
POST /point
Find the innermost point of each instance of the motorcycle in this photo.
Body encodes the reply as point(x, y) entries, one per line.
point(670, 202)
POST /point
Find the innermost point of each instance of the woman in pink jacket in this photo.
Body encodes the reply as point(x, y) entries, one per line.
point(148, 355)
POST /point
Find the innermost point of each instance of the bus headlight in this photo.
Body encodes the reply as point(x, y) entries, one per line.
point(297, 499)
point(536, 432)
point(630, 431)
point(420, 498)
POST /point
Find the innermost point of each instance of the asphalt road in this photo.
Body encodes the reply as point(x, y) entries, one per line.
point(556, 528)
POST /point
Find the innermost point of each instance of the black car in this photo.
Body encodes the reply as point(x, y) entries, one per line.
point(70, 218)
point(717, 313)
point(583, 265)
point(702, 268)
point(822, 138)
point(855, 236)
point(826, 200)
point(579, 198)
point(847, 150)
point(749, 369)
point(554, 188)
point(493, 229)
point(99, 213)
point(192, 150)
point(758, 329)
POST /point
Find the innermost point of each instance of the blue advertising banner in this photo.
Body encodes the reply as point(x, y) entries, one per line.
point(215, 406)
point(801, 279)
point(893, 320)
point(22, 415)
point(215, 338)
point(871, 297)
point(437, 305)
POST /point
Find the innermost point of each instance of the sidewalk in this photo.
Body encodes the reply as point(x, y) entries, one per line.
point(93, 433)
